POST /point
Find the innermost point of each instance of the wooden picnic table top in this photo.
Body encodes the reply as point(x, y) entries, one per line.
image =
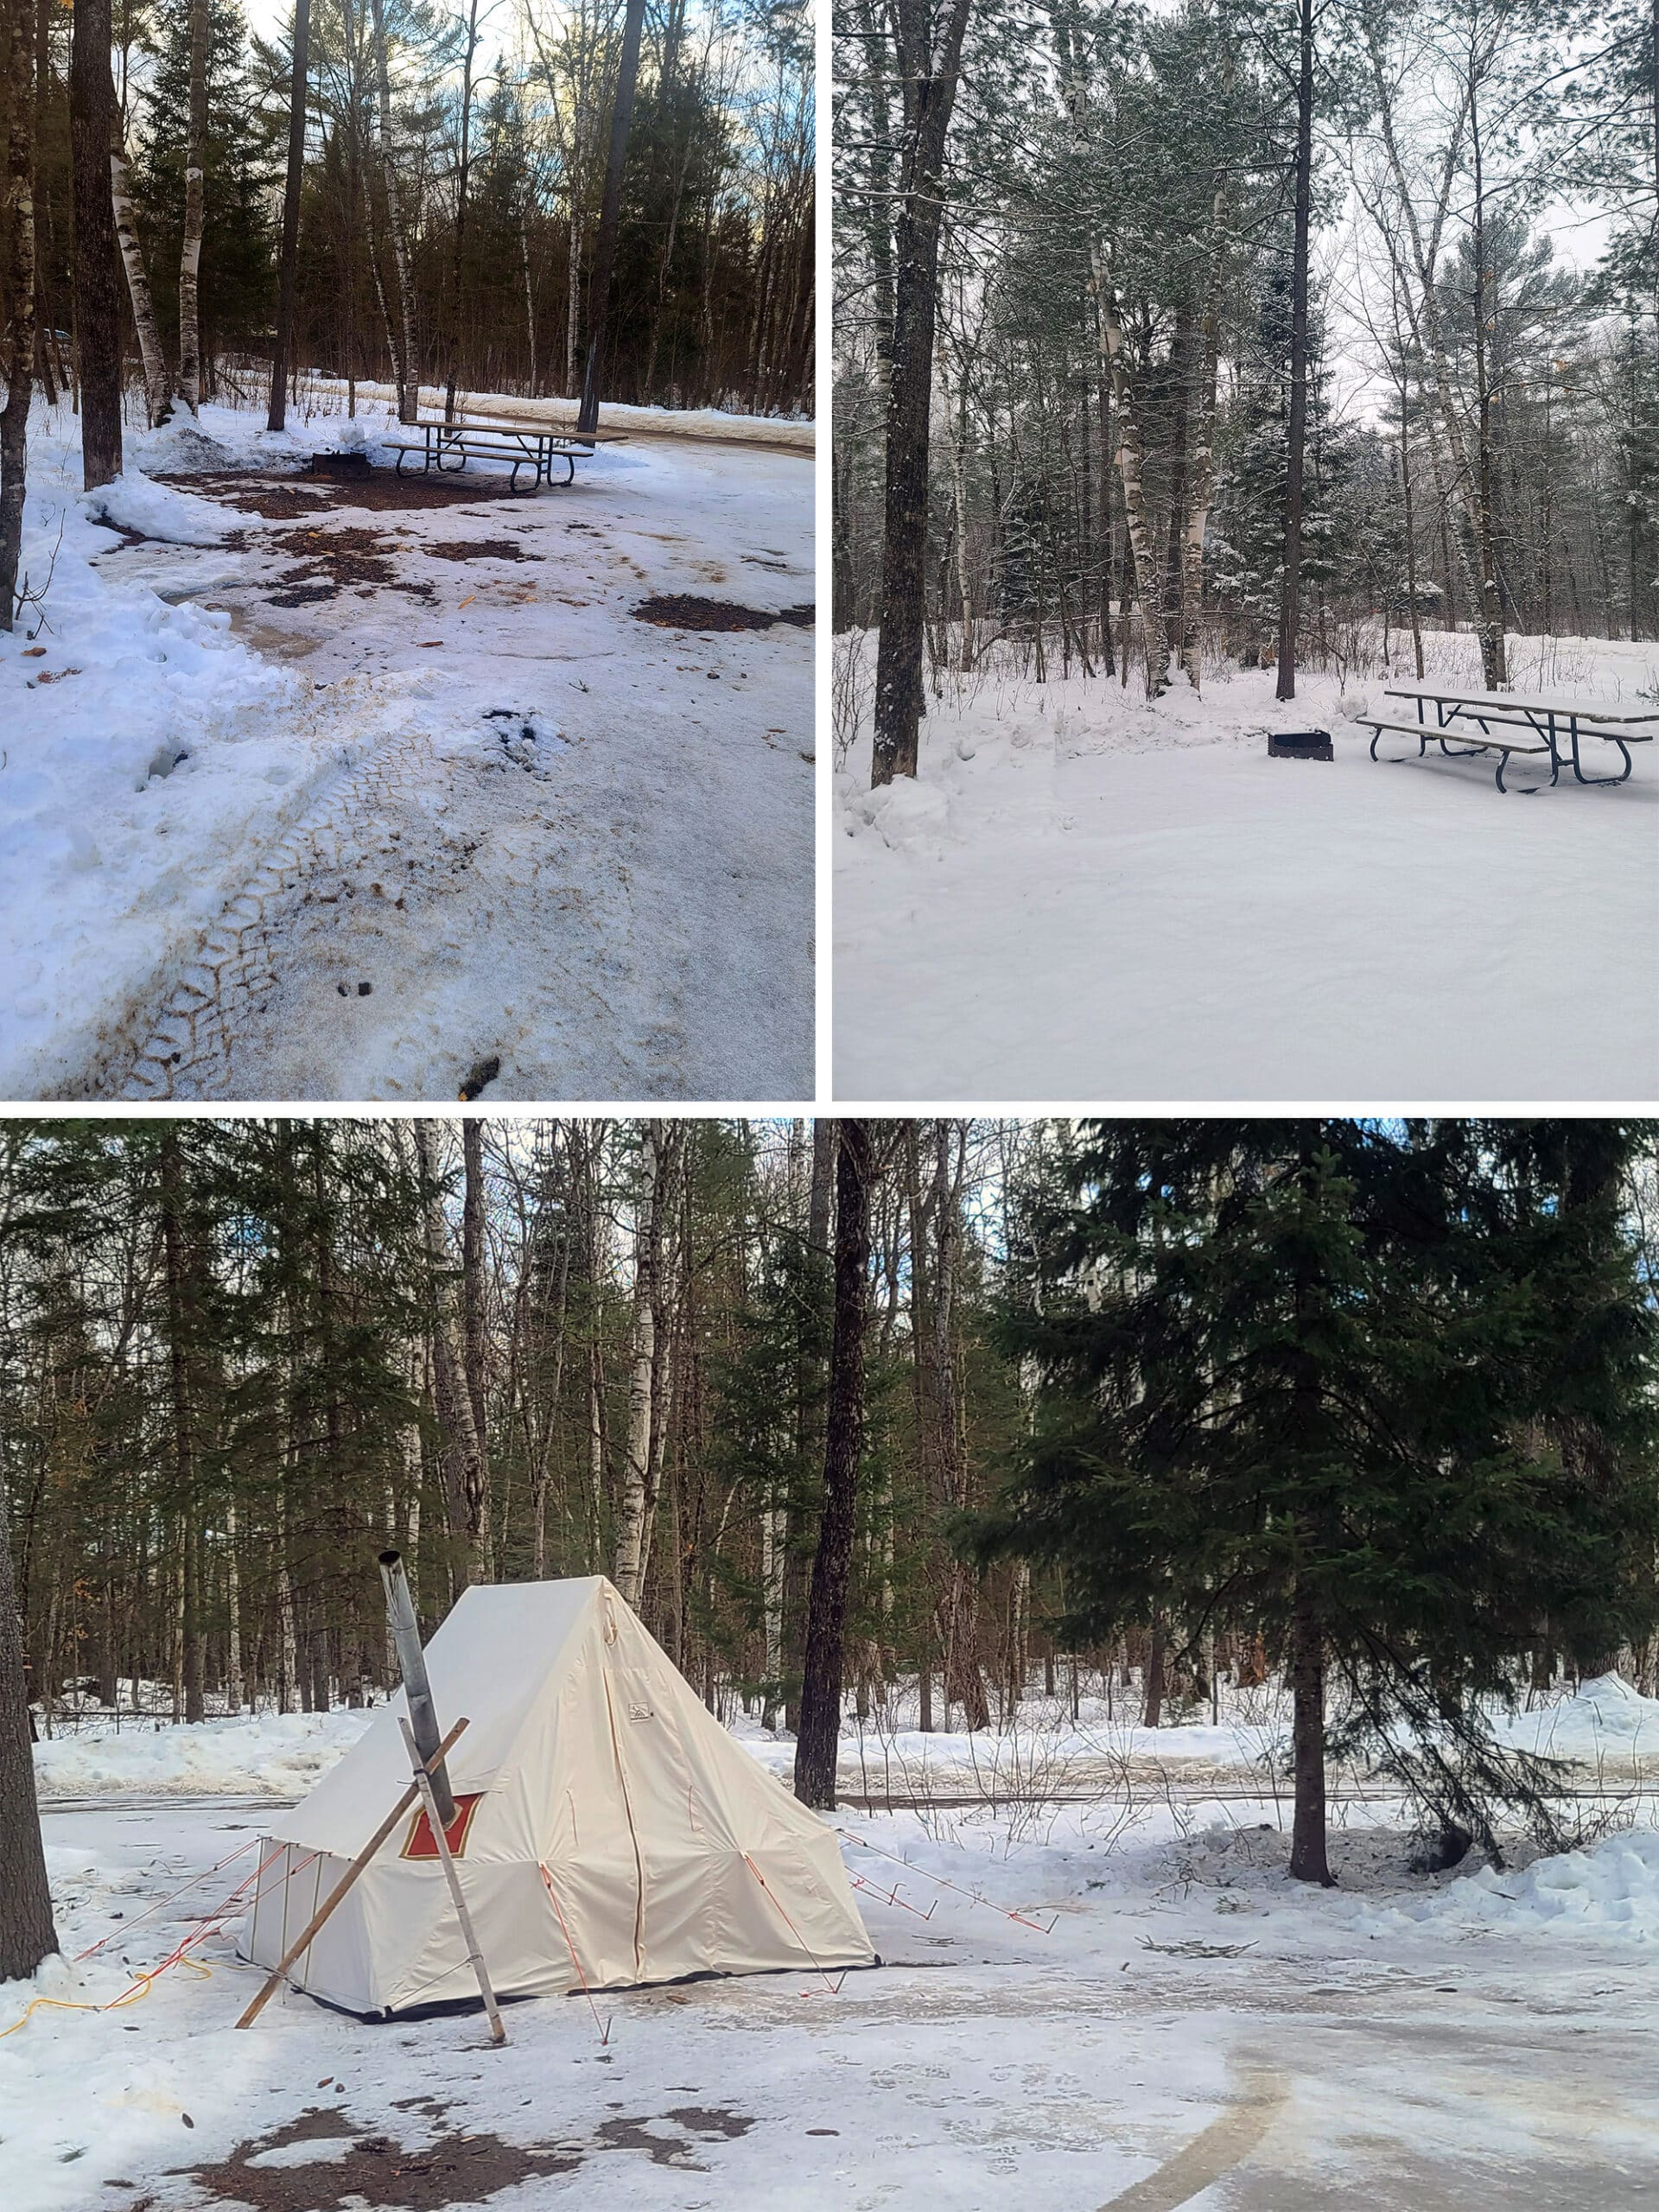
point(1589, 710)
point(523, 429)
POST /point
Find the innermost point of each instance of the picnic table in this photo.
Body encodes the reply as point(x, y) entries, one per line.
point(1516, 721)
point(447, 446)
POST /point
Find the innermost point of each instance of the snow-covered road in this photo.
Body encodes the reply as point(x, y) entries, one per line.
point(440, 804)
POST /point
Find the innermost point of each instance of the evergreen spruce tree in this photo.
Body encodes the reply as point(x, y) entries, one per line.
point(1380, 1394)
point(237, 292)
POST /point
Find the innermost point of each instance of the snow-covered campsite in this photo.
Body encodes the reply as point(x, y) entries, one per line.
point(383, 787)
point(667, 1664)
point(1120, 2001)
point(1083, 893)
point(1246, 554)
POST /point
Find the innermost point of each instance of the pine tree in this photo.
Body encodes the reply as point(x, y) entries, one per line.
point(1380, 1395)
point(237, 290)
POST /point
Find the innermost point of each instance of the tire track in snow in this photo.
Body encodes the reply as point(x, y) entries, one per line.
point(189, 1039)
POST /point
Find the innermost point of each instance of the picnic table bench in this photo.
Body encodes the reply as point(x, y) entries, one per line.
point(447, 447)
point(1468, 721)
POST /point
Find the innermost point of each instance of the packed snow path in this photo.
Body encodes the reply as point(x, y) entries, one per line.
point(1083, 896)
point(528, 844)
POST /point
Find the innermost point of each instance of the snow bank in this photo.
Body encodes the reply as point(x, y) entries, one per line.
point(134, 502)
point(1610, 1888)
point(274, 1755)
point(1605, 1724)
point(782, 430)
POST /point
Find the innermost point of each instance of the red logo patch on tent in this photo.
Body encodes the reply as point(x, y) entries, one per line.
point(422, 1844)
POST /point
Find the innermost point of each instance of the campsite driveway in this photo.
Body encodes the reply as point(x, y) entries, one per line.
point(559, 839)
point(1273, 2052)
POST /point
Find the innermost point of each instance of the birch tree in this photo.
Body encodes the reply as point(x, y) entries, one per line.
point(190, 376)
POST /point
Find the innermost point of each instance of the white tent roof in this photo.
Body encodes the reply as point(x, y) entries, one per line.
point(620, 1834)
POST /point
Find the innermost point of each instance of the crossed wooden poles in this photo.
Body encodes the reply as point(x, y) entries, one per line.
point(428, 1785)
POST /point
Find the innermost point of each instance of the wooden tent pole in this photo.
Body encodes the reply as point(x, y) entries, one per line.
point(307, 1934)
point(423, 1783)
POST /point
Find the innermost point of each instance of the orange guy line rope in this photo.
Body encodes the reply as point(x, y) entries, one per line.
point(945, 1882)
point(834, 1986)
point(604, 2031)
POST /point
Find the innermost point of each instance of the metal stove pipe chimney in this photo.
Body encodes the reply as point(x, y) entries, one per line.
point(411, 1661)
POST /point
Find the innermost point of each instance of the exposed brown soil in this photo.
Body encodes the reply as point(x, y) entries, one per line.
point(478, 549)
point(381, 490)
point(682, 611)
point(377, 2170)
point(458, 2168)
point(334, 559)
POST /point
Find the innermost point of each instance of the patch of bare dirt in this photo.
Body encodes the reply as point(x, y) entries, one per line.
point(377, 2170)
point(381, 490)
point(460, 2167)
point(478, 549)
point(336, 558)
point(683, 611)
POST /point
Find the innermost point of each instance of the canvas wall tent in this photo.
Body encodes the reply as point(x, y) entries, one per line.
point(618, 1834)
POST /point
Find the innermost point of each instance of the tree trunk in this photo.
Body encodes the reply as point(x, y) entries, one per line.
point(643, 1462)
point(1493, 659)
point(27, 1935)
point(282, 357)
point(158, 403)
point(97, 275)
point(19, 289)
point(826, 1623)
point(1130, 456)
point(405, 364)
point(462, 179)
point(928, 75)
point(1291, 581)
point(195, 214)
point(610, 214)
point(183, 1303)
point(465, 1490)
point(1306, 1670)
point(1153, 1706)
point(472, 1333)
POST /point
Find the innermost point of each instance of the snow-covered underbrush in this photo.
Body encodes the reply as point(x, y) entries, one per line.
point(1039, 1757)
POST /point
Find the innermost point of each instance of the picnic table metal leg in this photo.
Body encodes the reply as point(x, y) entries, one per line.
point(1578, 770)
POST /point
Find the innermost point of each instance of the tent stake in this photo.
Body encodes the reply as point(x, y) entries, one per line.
point(423, 1783)
point(303, 1941)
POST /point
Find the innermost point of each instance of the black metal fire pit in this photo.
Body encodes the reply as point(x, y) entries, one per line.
point(340, 464)
point(1301, 744)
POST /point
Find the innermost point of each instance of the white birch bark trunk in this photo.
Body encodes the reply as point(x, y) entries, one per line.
point(234, 1688)
point(628, 1562)
point(194, 215)
point(1129, 450)
point(157, 403)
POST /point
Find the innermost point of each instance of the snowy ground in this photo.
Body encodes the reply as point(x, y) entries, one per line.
point(1086, 896)
point(1192, 2029)
point(341, 800)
